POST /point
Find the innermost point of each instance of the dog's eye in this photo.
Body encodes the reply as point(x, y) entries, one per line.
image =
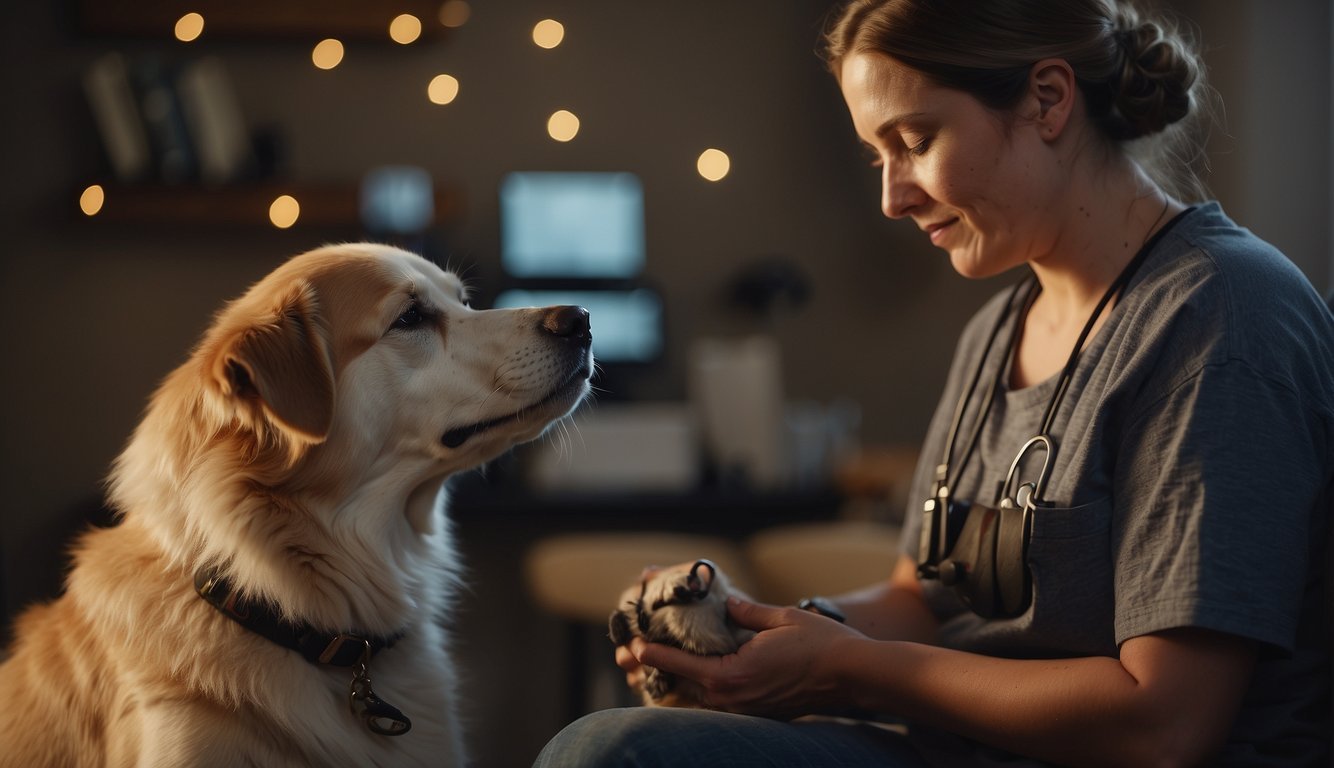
point(412, 317)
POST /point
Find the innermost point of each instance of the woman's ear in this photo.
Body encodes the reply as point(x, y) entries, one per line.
point(1053, 93)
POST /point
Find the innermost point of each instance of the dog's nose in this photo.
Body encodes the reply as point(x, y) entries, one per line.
point(567, 322)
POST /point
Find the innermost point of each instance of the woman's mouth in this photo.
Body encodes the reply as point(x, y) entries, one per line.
point(938, 232)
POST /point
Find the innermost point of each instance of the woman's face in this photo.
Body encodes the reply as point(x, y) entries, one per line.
point(980, 189)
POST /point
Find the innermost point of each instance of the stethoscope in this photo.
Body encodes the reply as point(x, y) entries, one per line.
point(1029, 495)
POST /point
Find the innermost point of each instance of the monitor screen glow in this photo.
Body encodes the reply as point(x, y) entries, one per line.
point(572, 225)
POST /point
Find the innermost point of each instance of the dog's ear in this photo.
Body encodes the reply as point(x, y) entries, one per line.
point(618, 628)
point(282, 362)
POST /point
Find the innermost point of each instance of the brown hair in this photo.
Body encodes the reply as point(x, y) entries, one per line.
point(1141, 77)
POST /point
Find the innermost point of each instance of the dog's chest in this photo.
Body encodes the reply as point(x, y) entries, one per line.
point(333, 732)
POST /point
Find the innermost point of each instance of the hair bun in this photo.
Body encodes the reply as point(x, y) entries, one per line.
point(1157, 76)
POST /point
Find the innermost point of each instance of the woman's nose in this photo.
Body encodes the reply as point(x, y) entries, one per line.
point(899, 192)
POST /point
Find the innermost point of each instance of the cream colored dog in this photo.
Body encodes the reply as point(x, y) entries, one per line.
point(685, 607)
point(278, 590)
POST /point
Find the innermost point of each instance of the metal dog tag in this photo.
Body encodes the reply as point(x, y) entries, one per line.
point(382, 717)
point(379, 715)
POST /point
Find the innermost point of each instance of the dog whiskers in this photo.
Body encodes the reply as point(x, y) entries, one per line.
point(561, 436)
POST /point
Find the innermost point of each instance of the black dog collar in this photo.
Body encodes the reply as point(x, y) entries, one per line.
point(340, 649)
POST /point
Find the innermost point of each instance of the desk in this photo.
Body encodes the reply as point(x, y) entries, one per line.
point(717, 511)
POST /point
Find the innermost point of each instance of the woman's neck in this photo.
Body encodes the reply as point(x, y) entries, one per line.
point(1105, 223)
point(1104, 226)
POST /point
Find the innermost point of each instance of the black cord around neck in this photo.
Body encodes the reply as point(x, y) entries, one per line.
point(1113, 290)
point(943, 470)
point(1067, 372)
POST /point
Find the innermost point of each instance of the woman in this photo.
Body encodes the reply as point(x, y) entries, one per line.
point(1143, 582)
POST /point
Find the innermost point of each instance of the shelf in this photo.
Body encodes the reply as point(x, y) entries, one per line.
point(259, 19)
point(323, 205)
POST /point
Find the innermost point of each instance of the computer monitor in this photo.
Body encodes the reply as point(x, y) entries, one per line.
point(572, 225)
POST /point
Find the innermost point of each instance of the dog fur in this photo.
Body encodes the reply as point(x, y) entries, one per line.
point(685, 607)
point(301, 450)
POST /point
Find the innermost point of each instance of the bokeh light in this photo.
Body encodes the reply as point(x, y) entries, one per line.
point(189, 27)
point(455, 13)
point(563, 125)
point(328, 53)
point(443, 89)
point(713, 164)
point(548, 33)
point(92, 199)
point(405, 28)
point(284, 211)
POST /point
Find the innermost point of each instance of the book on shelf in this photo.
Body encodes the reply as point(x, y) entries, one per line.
point(160, 106)
point(115, 108)
point(169, 123)
point(213, 115)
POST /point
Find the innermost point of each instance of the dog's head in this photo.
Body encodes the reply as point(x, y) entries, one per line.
point(685, 608)
point(368, 347)
point(324, 408)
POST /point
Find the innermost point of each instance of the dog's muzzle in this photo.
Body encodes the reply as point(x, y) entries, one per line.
point(570, 329)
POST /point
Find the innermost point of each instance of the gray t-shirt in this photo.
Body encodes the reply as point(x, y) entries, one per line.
point(1191, 485)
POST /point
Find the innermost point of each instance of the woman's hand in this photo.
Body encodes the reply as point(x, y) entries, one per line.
point(634, 671)
point(789, 669)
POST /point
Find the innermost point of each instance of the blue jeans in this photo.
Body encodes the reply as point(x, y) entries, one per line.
point(660, 737)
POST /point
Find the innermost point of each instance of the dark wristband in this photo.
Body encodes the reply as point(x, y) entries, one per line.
point(823, 607)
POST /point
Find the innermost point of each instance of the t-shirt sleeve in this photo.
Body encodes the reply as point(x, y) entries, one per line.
point(1216, 484)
